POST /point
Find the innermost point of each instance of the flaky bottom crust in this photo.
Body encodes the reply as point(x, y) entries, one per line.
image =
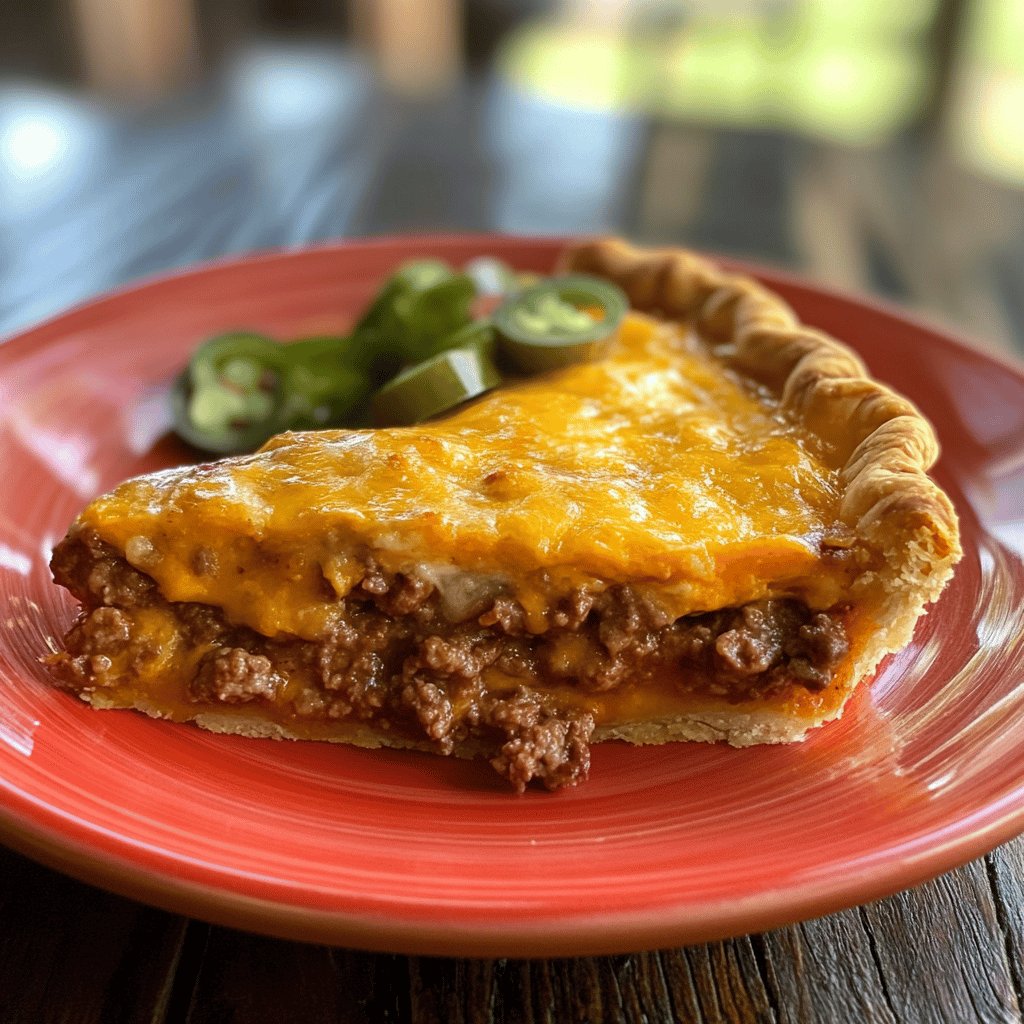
point(739, 728)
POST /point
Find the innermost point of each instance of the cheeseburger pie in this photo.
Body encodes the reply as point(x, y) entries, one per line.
point(714, 530)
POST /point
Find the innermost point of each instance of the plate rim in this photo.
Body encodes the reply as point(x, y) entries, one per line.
point(559, 936)
point(909, 861)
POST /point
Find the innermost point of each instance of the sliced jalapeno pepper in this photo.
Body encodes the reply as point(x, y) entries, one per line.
point(323, 384)
point(331, 349)
point(416, 275)
point(420, 305)
point(241, 389)
point(431, 315)
point(479, 335)
point(230, 398)
point(434, 386)
point(559, 321)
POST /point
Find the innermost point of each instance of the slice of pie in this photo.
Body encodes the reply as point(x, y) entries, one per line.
point(713, 533)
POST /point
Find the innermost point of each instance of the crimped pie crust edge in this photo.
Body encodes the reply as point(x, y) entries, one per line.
point(879, 441)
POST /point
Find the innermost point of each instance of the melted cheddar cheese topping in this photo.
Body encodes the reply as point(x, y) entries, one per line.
point(653, 466)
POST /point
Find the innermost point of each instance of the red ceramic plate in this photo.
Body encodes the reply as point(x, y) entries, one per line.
point(412, 853)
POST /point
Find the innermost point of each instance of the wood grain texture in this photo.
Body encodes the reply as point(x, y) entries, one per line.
point(248, 979)
point(949, 951)
point(930, 954)
point(71, 953)
point(1006, 876)
point(235, 977)
point(947, 932)
point(826, 970)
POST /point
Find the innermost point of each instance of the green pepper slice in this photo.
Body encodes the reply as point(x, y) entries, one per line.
point(416, 275)
point(419, 306)
point(434, 386)
point(479, 335)
point(331, 349)
point(241, 389)
point(324, 383)
point(553, 324)
point(230, 397)
point(431, 315)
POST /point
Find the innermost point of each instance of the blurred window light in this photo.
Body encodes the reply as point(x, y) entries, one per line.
point(853, 71)
point(48, 141)
point(987, 119)
point(31, 145)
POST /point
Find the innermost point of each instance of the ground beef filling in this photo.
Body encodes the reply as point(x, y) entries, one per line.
point(396, 660)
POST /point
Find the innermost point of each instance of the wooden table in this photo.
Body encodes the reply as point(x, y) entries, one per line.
point(91, 197)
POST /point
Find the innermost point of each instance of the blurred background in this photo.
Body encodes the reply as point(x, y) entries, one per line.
point(871, 144)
